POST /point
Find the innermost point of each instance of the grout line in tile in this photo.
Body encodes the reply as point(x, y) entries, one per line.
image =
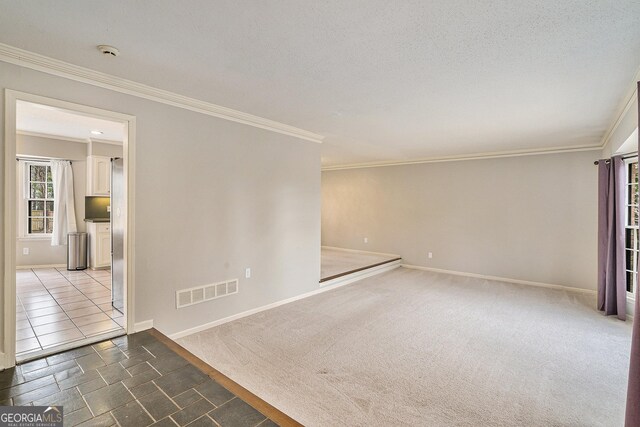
point(216, 423)
point(202, 396)
point(152, 367)
point(86, 403)
point(145, 409)
point(100, 375)
point(136, 399)
point(112, 416)
point(168, 397)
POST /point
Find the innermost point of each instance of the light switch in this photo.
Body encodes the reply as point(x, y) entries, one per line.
point(247, 273)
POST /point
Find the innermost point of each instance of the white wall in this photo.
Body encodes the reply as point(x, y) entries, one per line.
point(40, 250)
point(30, 145)
point(623, 130)
point(107, 150)
point(530, 218)
point(212, 198)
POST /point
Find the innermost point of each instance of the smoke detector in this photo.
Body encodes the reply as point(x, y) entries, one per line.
point(108, 50)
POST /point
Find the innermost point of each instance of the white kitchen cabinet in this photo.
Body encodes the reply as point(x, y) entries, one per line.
point(99, 244)
point(98, 176)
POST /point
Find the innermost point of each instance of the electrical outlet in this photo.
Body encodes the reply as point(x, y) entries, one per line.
point(247, 273)
point(25, 251)
point(430, 255)
point(366, 240)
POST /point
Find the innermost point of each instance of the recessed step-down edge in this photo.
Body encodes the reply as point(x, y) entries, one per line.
point(362, 274)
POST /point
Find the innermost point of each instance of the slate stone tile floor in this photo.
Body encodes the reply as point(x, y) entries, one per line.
point(55, 306)
point(133, 380)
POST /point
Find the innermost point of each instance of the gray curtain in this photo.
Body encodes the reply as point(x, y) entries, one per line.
point(633, 390)
point(612, 289)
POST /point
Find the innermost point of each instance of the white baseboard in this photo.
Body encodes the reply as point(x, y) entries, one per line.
point(357, 251)
point(502, 279)
point(143, 326)
point(29, 267)
point(326, 286)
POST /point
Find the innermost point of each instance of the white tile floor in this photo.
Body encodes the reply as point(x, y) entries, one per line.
point(56, 306)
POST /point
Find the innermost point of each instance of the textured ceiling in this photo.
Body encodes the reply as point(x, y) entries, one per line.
point(47, 120)
point(382, 80)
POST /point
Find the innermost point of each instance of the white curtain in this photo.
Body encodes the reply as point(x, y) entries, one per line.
point(64, 211)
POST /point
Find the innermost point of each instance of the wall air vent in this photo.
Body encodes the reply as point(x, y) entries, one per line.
point(232, 286)
point(183, 298)
point(221, 289)
point(191, 296)
point(210, 292)
point(197, 295)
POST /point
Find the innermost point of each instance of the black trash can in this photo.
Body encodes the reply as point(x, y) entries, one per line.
point(76, 251)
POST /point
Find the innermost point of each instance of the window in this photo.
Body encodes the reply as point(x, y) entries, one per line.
point(631, 226)
point(38, 194)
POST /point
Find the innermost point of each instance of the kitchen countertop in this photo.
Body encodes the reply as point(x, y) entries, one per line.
point(97, 220)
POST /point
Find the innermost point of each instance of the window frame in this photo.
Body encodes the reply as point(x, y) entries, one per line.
point(24, 195)
point(636, 251)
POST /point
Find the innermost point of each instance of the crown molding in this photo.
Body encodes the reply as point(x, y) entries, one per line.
point(51, 136)
point(59, 68)
point(475, 156)
point(628, 101)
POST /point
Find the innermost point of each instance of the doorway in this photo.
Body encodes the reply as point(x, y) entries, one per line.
point(70, 189)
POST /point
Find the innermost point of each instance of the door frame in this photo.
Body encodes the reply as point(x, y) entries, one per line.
point(8, 357)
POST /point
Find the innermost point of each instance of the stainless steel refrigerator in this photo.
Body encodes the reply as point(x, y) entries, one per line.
point(117, 233)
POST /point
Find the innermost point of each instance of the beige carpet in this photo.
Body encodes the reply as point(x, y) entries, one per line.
point(416, 348)
point(335, 261)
